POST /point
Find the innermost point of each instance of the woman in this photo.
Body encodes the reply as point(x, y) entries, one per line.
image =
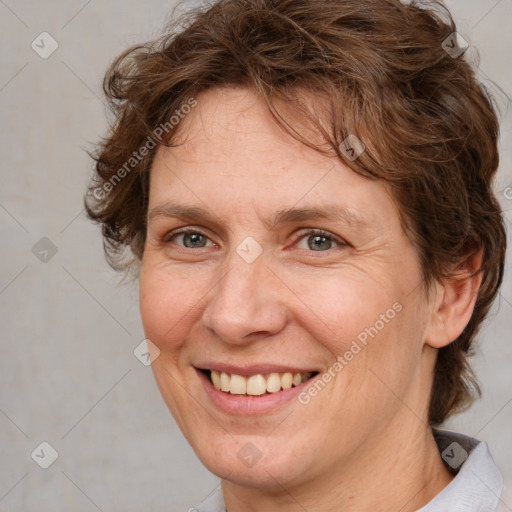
point(304, 188)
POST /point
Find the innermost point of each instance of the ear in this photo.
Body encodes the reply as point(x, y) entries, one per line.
point(454, 301)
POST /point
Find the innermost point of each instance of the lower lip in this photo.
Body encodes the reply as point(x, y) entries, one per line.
point(247, 404)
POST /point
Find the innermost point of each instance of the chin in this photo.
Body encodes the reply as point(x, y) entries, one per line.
point(239, 461)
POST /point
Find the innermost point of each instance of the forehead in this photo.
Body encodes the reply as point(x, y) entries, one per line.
point(230, 123)
point(230, 154)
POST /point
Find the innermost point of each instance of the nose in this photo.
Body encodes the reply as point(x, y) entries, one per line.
point(247, 304)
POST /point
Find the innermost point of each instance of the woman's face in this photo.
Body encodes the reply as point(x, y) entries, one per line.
point(290, 263)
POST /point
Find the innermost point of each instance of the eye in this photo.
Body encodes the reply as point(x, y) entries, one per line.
point(315, 240)
point(189, 239)
point(319, 241)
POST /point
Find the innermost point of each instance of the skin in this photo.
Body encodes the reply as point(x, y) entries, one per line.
point(363, 443)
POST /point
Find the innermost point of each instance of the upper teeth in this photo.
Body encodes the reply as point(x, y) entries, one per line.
point(256, 384)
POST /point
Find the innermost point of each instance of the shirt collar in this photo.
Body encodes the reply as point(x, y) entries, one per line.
point(478, 483)
point(476, 487)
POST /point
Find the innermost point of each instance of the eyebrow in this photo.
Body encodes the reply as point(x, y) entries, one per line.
point(284, 216)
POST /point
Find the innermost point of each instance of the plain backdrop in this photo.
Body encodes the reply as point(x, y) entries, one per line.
point(68, 375)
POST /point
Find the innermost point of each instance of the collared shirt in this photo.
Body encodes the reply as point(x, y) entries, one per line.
point(477, 485)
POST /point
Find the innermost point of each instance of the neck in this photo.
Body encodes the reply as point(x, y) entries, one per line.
point(401, 473)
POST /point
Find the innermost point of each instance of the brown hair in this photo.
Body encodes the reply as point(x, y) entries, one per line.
point(383, 70)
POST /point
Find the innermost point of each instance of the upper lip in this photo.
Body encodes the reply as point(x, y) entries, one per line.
point(253, 369)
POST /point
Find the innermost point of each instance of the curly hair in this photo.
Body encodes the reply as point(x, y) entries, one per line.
point(384, 72)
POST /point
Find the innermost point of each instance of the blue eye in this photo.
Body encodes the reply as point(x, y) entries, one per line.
point(190, 239)
point(319, 240)
point(316, 240)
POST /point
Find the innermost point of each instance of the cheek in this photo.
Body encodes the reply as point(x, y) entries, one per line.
point(382, 363)
point(167, 303)
point(343, 306)
point(372, 327)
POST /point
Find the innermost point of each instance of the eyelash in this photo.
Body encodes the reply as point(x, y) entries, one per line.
point(311, 232)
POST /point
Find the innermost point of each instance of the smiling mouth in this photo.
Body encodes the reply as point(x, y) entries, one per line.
point(256, 385)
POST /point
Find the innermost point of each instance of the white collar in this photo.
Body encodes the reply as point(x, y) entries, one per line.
point(478, 484)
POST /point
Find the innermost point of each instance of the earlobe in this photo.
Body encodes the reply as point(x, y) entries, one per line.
point(454, 301)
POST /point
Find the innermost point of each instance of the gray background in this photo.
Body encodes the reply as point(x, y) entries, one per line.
point(67, 370)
